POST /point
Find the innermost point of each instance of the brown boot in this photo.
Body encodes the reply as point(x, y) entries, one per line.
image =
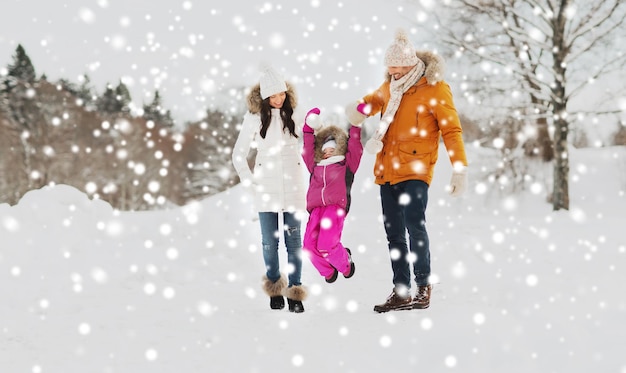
point(395, 302)
point(422, 297)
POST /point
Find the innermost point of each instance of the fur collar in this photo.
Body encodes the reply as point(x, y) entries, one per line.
point(435, 66)
point(340, 136)
point(254, 97)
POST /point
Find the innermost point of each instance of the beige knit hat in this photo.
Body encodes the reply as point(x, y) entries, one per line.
point(271, 82)
point(401, 52)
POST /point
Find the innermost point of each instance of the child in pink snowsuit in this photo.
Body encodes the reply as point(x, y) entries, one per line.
point(332, 157)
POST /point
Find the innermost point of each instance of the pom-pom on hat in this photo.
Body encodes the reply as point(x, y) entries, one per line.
point(271, 82)
point(401, 52)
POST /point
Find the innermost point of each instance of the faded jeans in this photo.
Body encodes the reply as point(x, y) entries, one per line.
point(404, 209)
point(270, 239)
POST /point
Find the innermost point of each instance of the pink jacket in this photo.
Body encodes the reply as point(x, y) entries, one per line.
point(330, 184)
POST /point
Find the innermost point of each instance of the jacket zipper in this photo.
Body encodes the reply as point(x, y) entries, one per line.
point(281, 192)
point(324, 185)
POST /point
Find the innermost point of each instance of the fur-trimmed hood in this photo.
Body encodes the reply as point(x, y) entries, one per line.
point(339, 135)
point(435, 66)
point(254, 97)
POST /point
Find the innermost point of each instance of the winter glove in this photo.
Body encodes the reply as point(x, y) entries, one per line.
point(364, 108)
point(458, 182)
point(373, 145)
point(357, 113)
point(312, 118)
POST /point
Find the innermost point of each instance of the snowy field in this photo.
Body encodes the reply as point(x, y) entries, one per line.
point(518, 288)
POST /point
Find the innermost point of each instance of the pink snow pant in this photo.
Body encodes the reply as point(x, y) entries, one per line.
point(322, 240)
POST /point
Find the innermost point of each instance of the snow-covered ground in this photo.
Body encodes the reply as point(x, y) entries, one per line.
point(518, 288)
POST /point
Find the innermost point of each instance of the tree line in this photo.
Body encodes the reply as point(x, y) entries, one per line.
point(65, 132)
point(525, 61)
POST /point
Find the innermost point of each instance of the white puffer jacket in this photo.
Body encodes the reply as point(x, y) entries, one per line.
point(278, 178)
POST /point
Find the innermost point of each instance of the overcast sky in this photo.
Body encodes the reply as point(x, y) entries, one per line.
point(190, 49)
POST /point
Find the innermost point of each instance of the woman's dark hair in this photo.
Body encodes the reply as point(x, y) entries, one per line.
point(285, 114)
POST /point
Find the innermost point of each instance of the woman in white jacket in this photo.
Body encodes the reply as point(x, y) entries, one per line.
point(277, 182)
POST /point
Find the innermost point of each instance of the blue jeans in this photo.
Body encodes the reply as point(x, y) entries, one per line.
point(270, 236)
point(404, 209)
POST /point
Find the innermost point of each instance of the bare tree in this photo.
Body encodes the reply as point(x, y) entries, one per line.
point(547, 51)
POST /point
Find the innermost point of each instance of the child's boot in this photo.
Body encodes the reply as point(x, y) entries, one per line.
point(352, 268)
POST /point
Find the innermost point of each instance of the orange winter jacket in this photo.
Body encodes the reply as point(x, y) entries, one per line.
point(410, 145)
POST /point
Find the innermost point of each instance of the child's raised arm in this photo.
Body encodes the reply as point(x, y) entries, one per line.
point(311, 122)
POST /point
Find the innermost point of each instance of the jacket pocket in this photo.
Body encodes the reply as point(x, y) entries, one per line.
point(415, 157)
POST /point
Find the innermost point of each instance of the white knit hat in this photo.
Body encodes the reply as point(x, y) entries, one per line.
point(329, 144)
point(271, 83)
point(401, 52)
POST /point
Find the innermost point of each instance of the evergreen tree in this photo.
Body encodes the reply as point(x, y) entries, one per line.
point(155, 111)
point(84, 92)
point(114, 100)
point(21, 69)
point(123, 97)
point(107, 102)
point(19, 89)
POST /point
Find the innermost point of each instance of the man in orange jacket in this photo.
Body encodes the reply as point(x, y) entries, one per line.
point(416, 110)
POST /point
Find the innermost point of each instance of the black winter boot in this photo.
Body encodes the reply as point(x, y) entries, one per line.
point(275, 291)
point(295, 306)
point(277, 302)
point(295, 295)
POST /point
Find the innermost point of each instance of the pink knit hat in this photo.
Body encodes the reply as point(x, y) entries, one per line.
point(401, 52)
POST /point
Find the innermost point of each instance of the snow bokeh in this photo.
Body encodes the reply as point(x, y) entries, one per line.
point(516, 289)
point(193, 52)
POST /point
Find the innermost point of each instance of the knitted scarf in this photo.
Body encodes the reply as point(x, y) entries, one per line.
point(397, 88)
